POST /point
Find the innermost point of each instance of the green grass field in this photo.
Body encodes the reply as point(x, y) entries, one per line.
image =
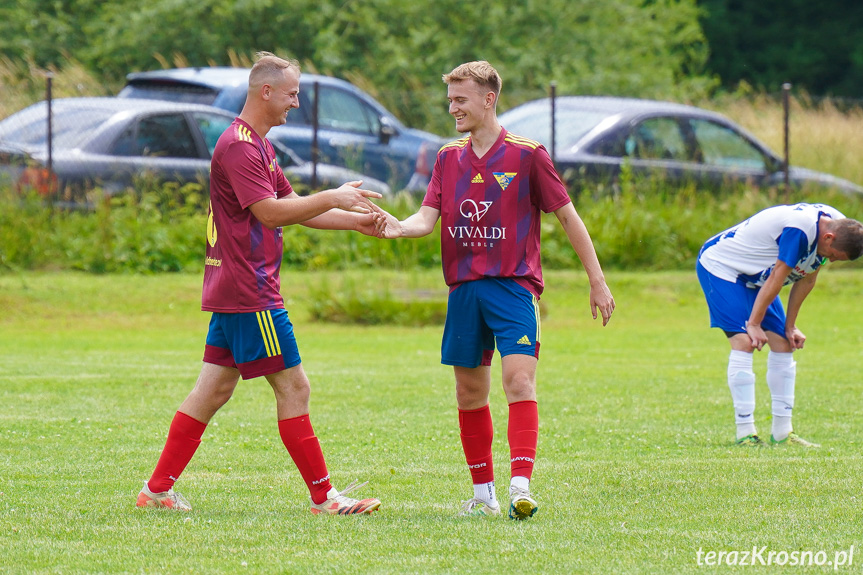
point(636, 471)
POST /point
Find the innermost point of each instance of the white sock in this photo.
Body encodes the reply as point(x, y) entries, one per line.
point(520, 482)
point(781, 376)
point(485, 492)
point(741, 382)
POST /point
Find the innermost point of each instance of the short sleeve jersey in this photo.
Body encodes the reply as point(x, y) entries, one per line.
point(491, 209)
point(241, 272)
point(747, 253)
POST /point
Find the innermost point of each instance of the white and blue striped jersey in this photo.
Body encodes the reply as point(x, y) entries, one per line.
point(747, 253)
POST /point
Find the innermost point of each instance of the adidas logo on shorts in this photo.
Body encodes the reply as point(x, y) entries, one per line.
point(524, 341)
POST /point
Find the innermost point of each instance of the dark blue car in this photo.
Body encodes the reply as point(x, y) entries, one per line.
point(355, 131)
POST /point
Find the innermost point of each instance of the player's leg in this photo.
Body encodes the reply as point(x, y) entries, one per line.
point(730, 305)
point(781, 379)
point(477, 433)
point(512, 312)
point(741, 384)
point(468, 345)
point(292, 391)
point(519, 376)
point(214, 387)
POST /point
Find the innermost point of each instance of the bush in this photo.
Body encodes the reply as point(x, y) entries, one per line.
point(161, 227)
point(374, 305)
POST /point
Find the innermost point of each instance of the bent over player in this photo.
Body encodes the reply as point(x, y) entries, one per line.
point(489, 189)
point(742, 270)
point(250, 334)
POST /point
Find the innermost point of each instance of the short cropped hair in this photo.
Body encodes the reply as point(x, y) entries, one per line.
point(849, 237)
point(268, 69)
point(480, 72)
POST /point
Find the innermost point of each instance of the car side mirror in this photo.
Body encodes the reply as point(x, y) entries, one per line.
point(387, 131)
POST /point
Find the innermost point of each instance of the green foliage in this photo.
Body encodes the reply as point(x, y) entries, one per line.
point(642, 225)
point(813, 45)
point(375, 304)
point(161, 228)
point(647, 225)
point(396, 50)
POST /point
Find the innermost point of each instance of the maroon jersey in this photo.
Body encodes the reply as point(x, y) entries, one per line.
point(243, 257)
point(490, 209)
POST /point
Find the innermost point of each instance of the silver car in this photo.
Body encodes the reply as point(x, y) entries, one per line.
point(104, 144)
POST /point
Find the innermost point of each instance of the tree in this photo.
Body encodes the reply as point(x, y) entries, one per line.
point(813, 45)
point(396, 50)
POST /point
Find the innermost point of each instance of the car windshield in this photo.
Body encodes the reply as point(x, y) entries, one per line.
point(534, 122)
point(70, 126)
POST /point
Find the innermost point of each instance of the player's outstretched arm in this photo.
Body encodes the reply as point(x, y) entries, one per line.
point(418, 225)
point(294, 209)
point(600, 294)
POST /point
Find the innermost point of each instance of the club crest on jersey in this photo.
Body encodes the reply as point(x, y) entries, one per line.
point(471, 210)
point(504, 178)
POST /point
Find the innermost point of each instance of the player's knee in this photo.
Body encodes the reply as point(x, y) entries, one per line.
point(520, 386)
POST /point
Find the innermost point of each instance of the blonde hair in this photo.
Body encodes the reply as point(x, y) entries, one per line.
point(480, 72)
point(269, 69)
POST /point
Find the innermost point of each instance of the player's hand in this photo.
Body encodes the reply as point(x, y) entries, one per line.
point(601, 298)
point(369, 223)
point(350, 197)
point(757, 337)
point(391, 228)
point(795, 337)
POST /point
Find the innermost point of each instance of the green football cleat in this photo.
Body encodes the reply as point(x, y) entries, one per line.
point(794, 439)
point(522, 505)
point(750, 441)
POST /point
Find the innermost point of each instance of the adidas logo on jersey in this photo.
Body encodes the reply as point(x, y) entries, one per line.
point(524, 341)
point(477, 179)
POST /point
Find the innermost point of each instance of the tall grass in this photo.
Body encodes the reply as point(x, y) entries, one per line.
point(821, 136)
point(23, 83)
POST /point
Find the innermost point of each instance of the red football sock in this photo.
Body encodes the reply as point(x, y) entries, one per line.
point(305, 449)
point(477, 433)
point(522, 432)
point(184, 437)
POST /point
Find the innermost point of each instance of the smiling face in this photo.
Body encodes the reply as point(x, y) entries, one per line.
point(283, 95)
point(470, 105)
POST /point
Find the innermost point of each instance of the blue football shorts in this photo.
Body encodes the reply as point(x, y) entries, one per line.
point(256, 343)
point(483, 312)
point(730, 305)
